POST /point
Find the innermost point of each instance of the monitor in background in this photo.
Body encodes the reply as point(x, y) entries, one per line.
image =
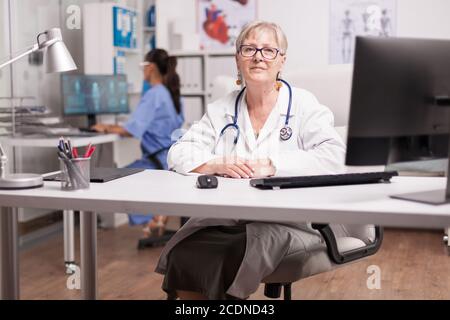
point(94, 94)
point(400, 104)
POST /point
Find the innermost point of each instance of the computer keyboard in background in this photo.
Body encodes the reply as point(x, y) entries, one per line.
point(323, 180)
point(88, 130)
point(73, 134)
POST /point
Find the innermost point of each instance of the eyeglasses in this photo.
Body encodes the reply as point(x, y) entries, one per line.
point(143, 64)
point(267, 52)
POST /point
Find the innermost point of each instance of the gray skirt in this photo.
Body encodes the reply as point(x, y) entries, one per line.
point(206, 262)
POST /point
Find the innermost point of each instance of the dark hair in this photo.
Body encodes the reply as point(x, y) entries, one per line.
point(167, 67)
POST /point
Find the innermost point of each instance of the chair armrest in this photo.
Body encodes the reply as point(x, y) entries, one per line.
point(351, 255)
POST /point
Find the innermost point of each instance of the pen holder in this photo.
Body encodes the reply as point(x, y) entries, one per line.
point(75, 173)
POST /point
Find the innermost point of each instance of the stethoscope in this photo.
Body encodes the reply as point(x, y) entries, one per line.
point(285, 132)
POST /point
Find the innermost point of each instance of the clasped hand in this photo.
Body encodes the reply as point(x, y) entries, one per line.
point(238, 168)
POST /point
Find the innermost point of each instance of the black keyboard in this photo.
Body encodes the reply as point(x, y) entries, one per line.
point(323, 180)
point(77, 134)
point(88, 130)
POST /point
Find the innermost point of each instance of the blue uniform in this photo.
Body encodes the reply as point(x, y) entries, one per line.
point(145, 87)
point(153, 122)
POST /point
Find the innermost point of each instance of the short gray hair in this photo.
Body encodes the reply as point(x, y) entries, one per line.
point(263, 25)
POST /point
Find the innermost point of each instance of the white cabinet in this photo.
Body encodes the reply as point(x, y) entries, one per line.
point(198, 71)
point(116, 39)
point(112, 41)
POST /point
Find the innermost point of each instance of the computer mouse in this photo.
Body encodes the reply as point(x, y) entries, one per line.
point(207, 182)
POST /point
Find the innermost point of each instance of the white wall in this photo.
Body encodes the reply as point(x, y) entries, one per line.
point(5, 88)
point(306, 23)
point(32, 80)
point(424, 18)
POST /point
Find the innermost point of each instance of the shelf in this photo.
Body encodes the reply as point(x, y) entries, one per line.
point(187, 53)
point(149, 29)
point(201, 53)
point(229, 52)
point(193, 94)
point(128, 50)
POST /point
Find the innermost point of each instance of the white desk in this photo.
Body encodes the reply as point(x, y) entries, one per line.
point(68, 215)
point(171, 194)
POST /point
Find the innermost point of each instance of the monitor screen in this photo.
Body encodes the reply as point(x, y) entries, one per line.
point(400, 101)
point(95, 94)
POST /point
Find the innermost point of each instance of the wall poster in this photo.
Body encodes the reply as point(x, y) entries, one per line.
point(220, 21)
point(351, 18)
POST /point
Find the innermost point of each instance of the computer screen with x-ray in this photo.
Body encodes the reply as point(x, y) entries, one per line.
point(95, 94)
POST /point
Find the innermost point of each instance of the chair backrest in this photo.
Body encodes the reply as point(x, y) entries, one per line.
point(342, 131)
point(330, 84)
point(223, 85)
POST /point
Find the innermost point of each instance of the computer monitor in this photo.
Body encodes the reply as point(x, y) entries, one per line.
point(400, 104)
point(94, 94)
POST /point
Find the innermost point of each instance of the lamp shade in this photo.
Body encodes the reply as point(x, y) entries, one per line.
point(58, 58)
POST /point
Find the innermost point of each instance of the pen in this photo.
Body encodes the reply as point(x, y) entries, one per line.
point(75, 152)
point(90, 152)
point(68, 151)
point(69, 144)
point(61, 144)
point(87, 150)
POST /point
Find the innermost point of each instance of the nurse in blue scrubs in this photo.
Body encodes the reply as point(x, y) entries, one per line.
point(157, 116)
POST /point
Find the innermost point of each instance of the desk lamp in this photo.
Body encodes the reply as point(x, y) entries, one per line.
point(58, 59)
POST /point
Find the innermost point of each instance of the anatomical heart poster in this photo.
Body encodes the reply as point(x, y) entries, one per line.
point(220, 21)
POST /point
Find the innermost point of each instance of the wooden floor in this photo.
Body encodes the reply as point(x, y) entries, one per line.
point(413, 264)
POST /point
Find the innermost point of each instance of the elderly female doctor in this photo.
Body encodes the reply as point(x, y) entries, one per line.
point(267, 135)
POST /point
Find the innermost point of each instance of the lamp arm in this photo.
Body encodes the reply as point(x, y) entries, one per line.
point(29, 51)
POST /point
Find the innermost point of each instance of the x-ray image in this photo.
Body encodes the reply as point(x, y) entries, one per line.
point(351, 18)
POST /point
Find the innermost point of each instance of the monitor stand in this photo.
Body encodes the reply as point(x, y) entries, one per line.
point(435, 197)
point(92, 120)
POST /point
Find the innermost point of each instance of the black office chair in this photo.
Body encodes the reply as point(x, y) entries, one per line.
point(353, 243)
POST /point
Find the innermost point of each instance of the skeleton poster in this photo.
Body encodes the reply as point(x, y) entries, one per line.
point(220, 21)
point(351, 18)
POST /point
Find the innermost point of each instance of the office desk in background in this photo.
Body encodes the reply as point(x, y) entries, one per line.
point(19, 145)
point(52, 142)
point(169, 193)
point(125, 150)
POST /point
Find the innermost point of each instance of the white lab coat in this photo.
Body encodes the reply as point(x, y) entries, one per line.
point(314, 148)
